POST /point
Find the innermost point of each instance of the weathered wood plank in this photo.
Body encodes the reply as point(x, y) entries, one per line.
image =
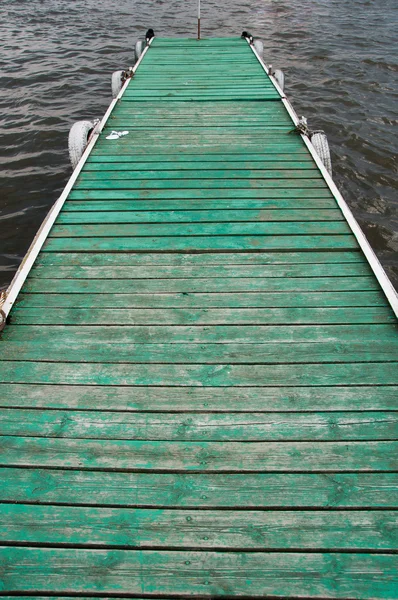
point(169, 529)
point(198, 95)
point(213, 207)
point(207, 259)
point(199, 242)
point(200, 490)
point(209, 128)
point(106, 172)
point(208, 147)
point(239, 427)
point(198, 334)
point(200, 272)
point(185, 399)
point(364, 576)
point(198, 216)
point(193, 161)
point(202, 300)
point(109, 351)
point(265, 195)
point(147, 455)
point(200, 229)
point(200, 375)
point(204, 316)
point(204, 184)
point(207, 285)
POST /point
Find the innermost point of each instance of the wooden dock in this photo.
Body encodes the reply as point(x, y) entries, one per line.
point(199, 376)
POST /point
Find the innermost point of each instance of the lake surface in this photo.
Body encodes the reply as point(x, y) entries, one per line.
point(340, 60)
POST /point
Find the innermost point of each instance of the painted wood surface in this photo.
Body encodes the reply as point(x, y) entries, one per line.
point(199, 381)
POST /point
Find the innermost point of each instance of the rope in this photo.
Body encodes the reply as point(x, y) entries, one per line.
point(303, 129)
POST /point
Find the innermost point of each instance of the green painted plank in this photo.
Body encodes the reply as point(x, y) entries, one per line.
point(182, 86)
point(273, 209)
point(191, 117)
point(216, 353)
point(201, 75)
point(203, 272)
point(200, 490)
point(200, 375)
point(169, 529)
point(197, 174)
point(249, 111)
point(201, 216)
point(207, 148)
point(364, 576)
point(201, 300)
point(196, 334)
point(201, 229)
point(194, 427)
point(195, 96)
point(190, 244)
point(182, 399)
point(200, 316)
point(239, 258)
point(272, 197)
point(238, 140)
point(220, 284)
point(143, 167)
point(228, 108)
point(204, 184)
point(228, 456)
point(191, 124)
point(293, 149)
point(295, 154)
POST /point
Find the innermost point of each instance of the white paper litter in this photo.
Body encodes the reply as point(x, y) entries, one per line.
point(115, 135)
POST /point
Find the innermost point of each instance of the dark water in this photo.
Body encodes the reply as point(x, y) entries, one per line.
point(339, 57)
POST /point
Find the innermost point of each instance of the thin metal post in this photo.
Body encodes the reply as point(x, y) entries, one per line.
point(198, 19)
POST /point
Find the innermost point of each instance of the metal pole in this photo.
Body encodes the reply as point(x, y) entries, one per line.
point(198, 19)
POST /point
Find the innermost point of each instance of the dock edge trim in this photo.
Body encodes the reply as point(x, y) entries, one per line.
point(29, 259)
point(381, 275)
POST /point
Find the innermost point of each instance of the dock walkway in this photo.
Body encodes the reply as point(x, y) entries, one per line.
point(199, 376)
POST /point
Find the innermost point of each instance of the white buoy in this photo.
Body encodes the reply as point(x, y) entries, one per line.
point(78, 139)
point(259, 46)
point(321, 145)
point(117, 83)
point(280, 78)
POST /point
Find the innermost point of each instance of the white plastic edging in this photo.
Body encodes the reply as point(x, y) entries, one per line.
point(366, 248)
point(27, 263)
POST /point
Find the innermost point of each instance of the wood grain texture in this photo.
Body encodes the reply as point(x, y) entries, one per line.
point(202, 456)
point(220, 353)
point(361, 576)
point(204, 316)
point(181, 399)
point(200, 375)
point(204, 259)
point(201, 490)
point(208, 285)
point(198, 300)
point(186, 529)
point(200, 242)
point(198, 216)
point(249, 426)
point(201, 272)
